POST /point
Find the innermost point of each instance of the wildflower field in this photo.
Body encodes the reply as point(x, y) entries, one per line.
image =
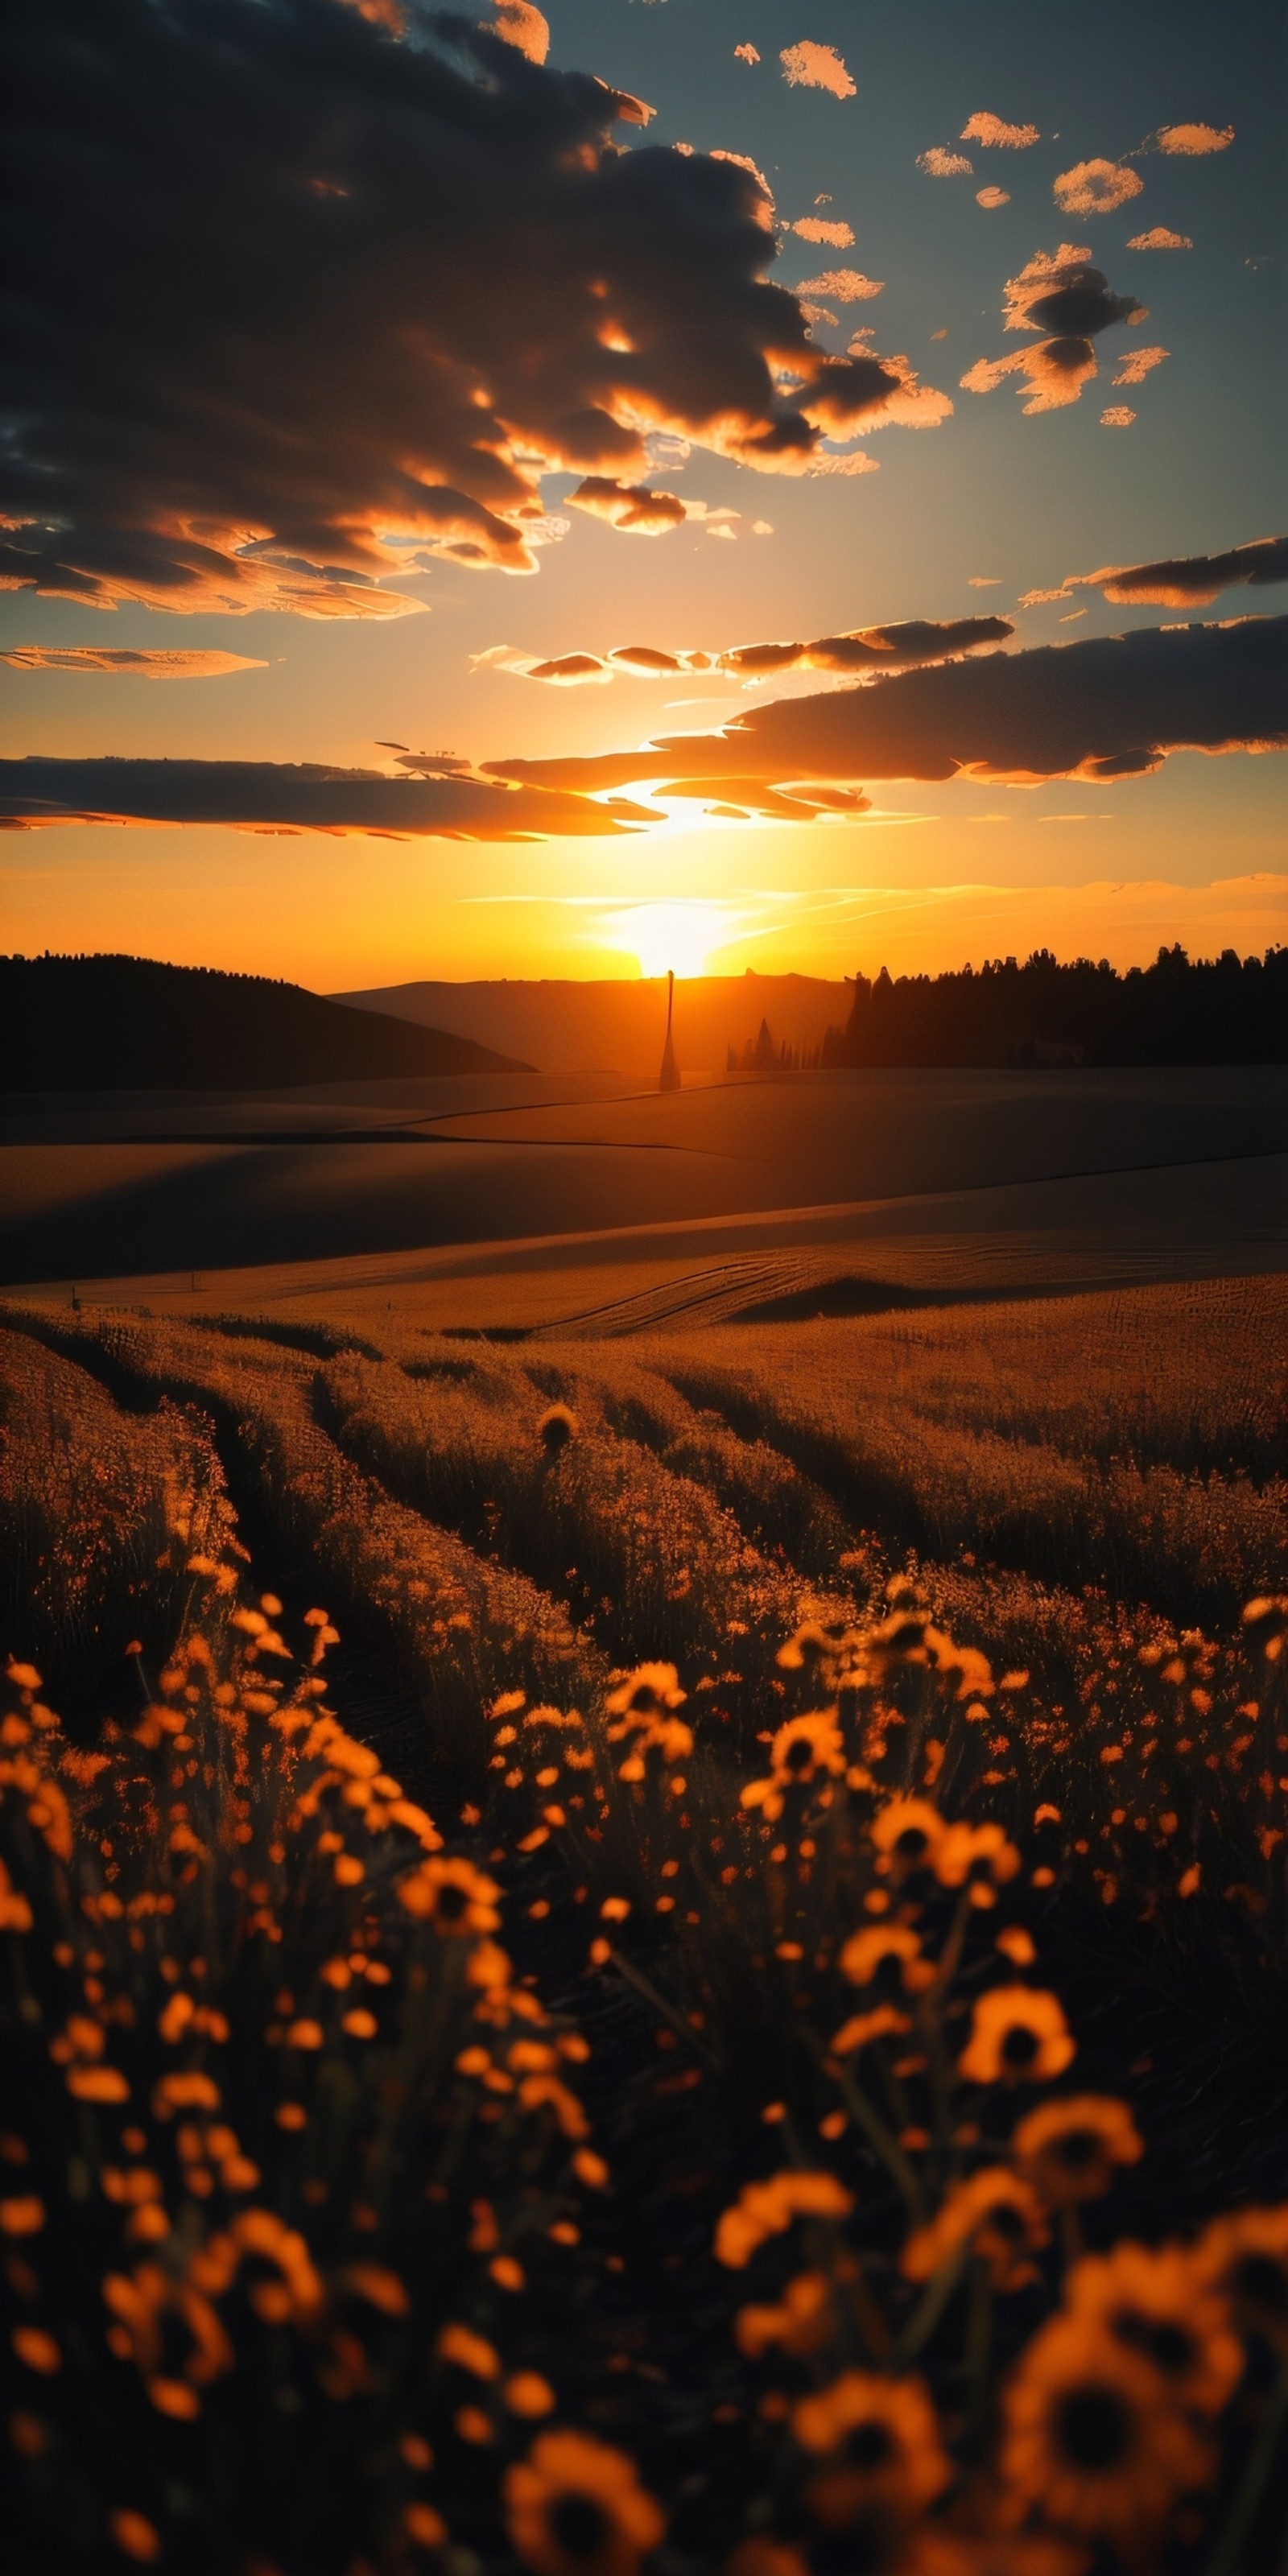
point(664, 1954)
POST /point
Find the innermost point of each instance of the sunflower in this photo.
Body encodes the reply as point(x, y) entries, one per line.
point(880, 2438)
point(978, 1857)
point(1018, 2035)
point(575, 2507)
point(890, 1947)
point(800, 1750)
point(647, 1692)
point(1244, 2256)
point(455, 1896)
point(1091, 2437)
point(1153, 2304)
point(909, 1832)
point(802, 2322)
point(998, 2214)
point(1069, 2148)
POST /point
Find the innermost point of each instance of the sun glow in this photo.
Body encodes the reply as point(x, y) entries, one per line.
point(676, 935)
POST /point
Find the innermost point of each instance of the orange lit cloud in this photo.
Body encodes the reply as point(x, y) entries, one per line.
point(1095, 187)
point(1117, 416)
point(894, 647)
point(154, 664)
point(1061, 293)
point(816, 228)
point(268, 796)
point(1110, 707)
point(517, 23)
point(1160, 239)
point(996, 135)
point(992, 197)
point(745, 54)
point(810, 66)
point(1181, 581)
point(1191, 141)
point(848, 285)
point(445, 280)
point(1138, 364)
point(941, 163)
point(629, 505)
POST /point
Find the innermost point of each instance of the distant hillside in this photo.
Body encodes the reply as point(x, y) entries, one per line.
point(618, 1027)
point(131, 1024)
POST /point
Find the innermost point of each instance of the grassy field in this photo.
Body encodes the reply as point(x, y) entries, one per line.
point(661, 1942)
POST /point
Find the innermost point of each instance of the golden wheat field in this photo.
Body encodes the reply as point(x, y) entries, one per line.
point(666, 1945)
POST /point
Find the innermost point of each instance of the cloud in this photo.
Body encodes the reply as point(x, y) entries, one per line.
point(745, 54)
point(816, 67)
point(1061, 293)
point(992, 197)
point(150, 665)
point(517, 23)
point(816, 228)
point(629, 505)
point(996, 135)
point(1179, 581)
point(848, 285)
point(309, 303)
point(1117, 416)
point(1109, 707)
point(941, 163)
point(1138, 363)
point(1192, 141)
point(1160, 239)
point(865, 648)
point(270, 796)
point(1095, 187)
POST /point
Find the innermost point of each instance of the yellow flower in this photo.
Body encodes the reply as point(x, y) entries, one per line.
point(978, 1857)
point(453, 1895)
point(909, 1832)
point(1069, 2148)
point(998, 2214)
point(893, 1946)
point(575, 2507)
point(1091, 2438)
point(1155, 2304)
point(802, 1749)
point(1245, 2257)
point(882, 2438)
point(765, 2209)
point(1018, 2034)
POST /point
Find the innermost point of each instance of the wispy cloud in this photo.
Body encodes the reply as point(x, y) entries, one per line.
point(894, 647)
point(996, 135)
point(155, 663)
point(809, 66)
point(1061, 293)
point(1096, 187)
point(1178, 581)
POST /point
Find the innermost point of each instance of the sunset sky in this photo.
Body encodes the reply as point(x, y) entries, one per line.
point(350, 333)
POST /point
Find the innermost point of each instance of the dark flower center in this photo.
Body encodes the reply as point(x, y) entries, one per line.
point(865, 2549)
point(1093, 2428)
point(1161, 2340)
point(1005, 2220)
point(979, 1871)
point(912, 1843)
point(452, 1903)
point(869, 2446)
point(800, 1754)
point(578, 2524)
point(1262, 2282)
point(1078, 2148)
point(1020, 2046)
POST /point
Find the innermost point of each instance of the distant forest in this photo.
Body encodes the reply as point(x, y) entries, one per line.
point(1224, 1010)
point(132, 1024)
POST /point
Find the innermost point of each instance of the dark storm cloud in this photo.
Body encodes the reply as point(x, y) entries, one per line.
point(1179, 581)
point(1112, 707)
point(275, 797)
point(299, 278)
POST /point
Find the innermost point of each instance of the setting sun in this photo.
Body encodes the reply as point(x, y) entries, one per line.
point(676, 936)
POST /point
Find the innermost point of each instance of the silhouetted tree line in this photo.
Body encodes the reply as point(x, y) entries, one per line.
point(1223, 1010)
point(129, 1023)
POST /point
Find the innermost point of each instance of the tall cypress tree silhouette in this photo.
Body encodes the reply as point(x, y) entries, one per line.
point(669, 1077)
